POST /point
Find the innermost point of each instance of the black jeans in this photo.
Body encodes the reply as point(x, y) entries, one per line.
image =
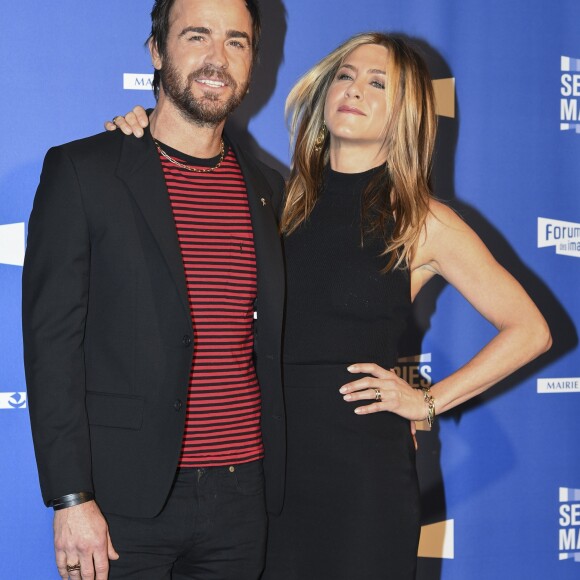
point(213, 527)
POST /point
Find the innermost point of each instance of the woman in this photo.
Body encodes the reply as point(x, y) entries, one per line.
point(363, 234)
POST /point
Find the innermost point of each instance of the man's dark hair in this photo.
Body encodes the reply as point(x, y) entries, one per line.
point(160, 29)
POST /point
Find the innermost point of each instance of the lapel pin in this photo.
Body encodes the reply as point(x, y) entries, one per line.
point(263, 201)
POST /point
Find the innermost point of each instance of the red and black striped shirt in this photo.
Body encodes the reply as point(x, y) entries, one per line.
point(214, 228)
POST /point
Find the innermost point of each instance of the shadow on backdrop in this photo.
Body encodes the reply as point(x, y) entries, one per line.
point(264, 78)
point(433, 505)
point(564, 333)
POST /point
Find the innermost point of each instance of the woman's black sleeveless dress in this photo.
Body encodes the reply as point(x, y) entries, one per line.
point(351, 508)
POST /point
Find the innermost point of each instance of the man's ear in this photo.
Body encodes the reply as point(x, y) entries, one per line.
point(156, 59)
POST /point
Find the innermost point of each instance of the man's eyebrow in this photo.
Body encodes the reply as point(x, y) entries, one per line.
point(374, 71)
point(204, 30)
point(198, 29)
point(238, 34)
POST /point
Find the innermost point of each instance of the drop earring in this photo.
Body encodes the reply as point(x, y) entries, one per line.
point(320, 139)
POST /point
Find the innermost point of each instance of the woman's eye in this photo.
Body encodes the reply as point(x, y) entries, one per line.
point(378, 84)
point(344, 77)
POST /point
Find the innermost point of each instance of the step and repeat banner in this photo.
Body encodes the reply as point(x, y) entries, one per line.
point(500, 477)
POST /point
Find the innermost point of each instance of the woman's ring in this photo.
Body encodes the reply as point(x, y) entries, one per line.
point(378, 396)
point(73, 567)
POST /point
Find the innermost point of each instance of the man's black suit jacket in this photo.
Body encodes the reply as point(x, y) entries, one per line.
point(107, 330)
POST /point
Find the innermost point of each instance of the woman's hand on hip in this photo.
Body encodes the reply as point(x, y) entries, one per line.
point(386, 390)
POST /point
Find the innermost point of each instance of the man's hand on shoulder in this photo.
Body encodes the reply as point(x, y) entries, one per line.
point(81, 536)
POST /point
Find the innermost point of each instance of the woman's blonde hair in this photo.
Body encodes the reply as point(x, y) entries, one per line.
point(395, 204)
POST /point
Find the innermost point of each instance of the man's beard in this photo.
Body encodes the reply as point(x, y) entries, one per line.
point(207, 110)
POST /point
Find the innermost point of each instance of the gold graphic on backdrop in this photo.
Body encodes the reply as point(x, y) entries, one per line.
point(437, 540)
point(445, 97)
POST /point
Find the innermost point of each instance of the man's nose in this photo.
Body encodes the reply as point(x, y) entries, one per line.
point(216, 56)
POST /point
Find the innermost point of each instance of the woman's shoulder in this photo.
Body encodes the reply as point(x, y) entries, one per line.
point(444, 234)
point(443, 219)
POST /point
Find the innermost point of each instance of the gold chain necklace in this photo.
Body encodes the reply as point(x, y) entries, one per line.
point(189, 167)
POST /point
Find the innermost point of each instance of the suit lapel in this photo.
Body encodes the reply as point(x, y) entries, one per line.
point(140, 169)
point(269, 261)
point(259, 199)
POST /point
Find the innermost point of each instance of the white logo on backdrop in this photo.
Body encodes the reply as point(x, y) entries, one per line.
point(12, 400)
point(569, 522)
point(570, 90)
point(416, 370)
point(12, 244)
point(571, 385)
point(137, 82)
point(564, 236)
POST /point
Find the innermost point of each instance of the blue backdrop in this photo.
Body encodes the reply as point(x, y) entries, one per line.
point(500, 477)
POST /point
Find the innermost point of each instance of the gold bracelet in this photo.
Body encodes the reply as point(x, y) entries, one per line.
point(430, 406)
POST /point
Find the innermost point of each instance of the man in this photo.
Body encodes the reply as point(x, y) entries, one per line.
point(146, 375)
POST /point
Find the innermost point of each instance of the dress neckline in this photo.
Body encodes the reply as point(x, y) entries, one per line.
point(336, 179)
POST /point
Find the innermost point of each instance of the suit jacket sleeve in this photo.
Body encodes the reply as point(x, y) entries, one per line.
point(55, 297)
